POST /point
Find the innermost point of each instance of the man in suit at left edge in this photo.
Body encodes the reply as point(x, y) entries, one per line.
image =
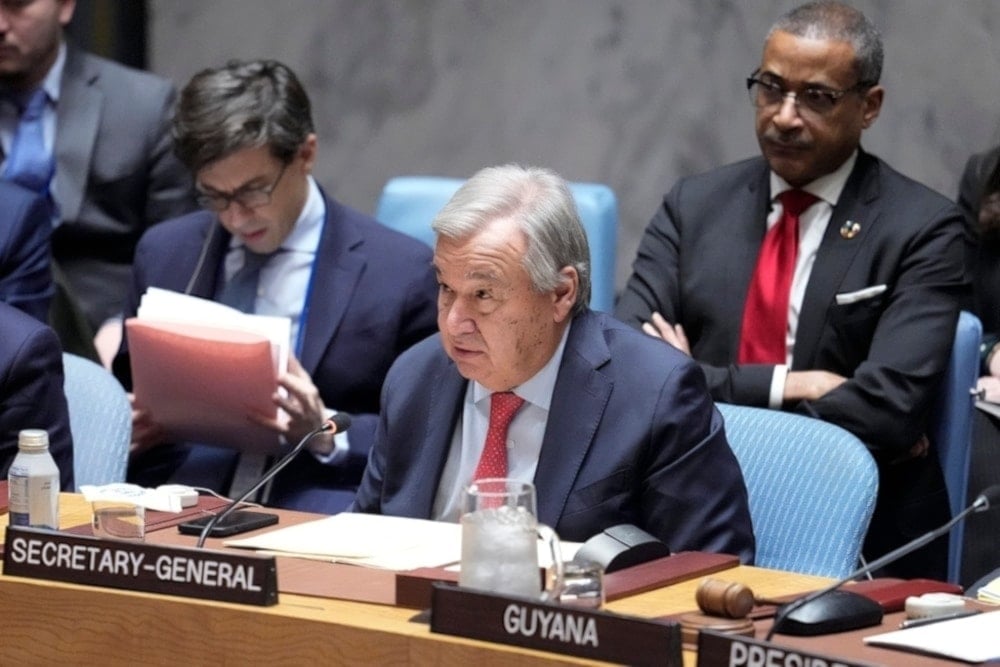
point(109, 172)
point(25, 275)
point(31, 390)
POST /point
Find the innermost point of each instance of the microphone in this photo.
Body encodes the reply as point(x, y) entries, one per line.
point(338, 423)
point(839, 611)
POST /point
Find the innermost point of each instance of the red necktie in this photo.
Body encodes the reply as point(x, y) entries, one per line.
point(493, 461)
point(765, 315)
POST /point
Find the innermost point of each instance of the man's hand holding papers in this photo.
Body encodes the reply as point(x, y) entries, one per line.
point(208, 373)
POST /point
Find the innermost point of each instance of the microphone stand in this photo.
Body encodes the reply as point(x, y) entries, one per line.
point(981, 503)
point(338, 424)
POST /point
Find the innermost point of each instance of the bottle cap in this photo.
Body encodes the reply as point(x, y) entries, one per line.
point(32, 439)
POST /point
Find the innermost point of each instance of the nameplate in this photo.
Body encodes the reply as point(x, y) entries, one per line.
point(414, 587)
point(542, 626)
point(137, 566)
point(720, 650)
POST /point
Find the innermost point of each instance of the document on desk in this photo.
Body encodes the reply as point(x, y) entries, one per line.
point(201, 367)
point(372, 540)
point(972, 639)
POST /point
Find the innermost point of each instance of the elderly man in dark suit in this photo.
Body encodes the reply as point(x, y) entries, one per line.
point(103, 159)
point(31, 390)
point(357, 293)
point(816, 277)
point(611, 426)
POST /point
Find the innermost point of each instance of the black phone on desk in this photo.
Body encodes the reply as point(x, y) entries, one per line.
point(241, 521)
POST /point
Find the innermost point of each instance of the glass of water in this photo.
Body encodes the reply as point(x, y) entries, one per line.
point(500, 540)
point(118, 520)
point(583, 585)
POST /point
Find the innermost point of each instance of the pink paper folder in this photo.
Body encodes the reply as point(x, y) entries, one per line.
point(201, 382)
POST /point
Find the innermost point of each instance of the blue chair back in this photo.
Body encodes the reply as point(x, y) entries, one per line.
point(100, 419)
point(409, 204)
point(951, 427)
point(812, 488)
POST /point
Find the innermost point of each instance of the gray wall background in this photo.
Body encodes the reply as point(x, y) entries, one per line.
point(632, 93)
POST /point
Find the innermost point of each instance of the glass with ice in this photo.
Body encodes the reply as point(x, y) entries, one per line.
point(499, 540)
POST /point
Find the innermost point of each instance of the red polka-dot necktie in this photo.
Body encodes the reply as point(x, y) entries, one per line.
point(493, 461)
point(765, 315)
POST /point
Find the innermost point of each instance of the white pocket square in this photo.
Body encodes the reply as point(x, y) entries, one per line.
point(859, 295)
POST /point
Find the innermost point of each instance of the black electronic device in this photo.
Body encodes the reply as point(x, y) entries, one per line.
point(621, 546)
point(830, 610)
point(338, 423)
point(242, 521)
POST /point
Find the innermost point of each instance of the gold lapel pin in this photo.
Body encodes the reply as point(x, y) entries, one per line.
point(849, 229)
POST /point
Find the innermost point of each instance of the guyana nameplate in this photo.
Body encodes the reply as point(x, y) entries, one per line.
point(551, 627)
point(136, 566)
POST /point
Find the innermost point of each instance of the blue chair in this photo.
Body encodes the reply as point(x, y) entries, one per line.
point(409, 204)
point(951, 427)
point(100, 419)
point(812, 488)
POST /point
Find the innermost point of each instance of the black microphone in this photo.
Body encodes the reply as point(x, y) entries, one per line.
point(839, 611)
point(338, 423)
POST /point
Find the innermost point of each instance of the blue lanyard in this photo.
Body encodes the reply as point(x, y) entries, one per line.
point(304, 315)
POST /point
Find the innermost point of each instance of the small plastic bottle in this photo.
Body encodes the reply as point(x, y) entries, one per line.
point(33, 482)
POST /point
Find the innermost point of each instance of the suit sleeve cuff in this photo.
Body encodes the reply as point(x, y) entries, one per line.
point(777, 394)
point(341, 447)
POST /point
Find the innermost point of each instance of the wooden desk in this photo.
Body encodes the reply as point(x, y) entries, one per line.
point(51, 622)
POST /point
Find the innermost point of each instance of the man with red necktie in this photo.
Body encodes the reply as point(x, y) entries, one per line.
point(525, 382)
point(850, 317)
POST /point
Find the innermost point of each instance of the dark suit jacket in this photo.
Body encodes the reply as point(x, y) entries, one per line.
point(31, 390)
point(977, 172)
point(632, 437)
point(116, 175)
point(697, 256)
point(695, 262)
point(984, 253)
point(374, 296)
point(25, 228)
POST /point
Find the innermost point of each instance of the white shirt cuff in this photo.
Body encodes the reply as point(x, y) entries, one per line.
point(777, 395)
point(341, 447)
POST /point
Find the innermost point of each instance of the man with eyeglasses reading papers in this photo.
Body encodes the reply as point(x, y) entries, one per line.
point(816, 278)
point(271, 241)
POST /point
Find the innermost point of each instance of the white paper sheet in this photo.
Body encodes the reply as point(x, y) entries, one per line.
point(389, 542)
point(373, 540)
point(972, 639)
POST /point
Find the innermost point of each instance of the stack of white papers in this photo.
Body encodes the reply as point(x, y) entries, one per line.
point(374, 540)
point(990, 592)
point(972, 638)
point(162, 305)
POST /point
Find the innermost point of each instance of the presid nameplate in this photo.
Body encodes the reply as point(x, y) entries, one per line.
point(136, 566)
point(550, 627)
point(716, 648)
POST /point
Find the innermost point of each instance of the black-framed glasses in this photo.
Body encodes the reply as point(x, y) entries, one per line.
point(248, 198)
point(816, 99)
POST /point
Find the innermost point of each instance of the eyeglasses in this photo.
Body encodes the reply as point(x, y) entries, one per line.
point(248, 198)
point(819, 101)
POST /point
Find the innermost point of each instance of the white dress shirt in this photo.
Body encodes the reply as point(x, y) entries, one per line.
point(10, 117)
point(283, 287)
point(524, 435)
point(812, 226)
